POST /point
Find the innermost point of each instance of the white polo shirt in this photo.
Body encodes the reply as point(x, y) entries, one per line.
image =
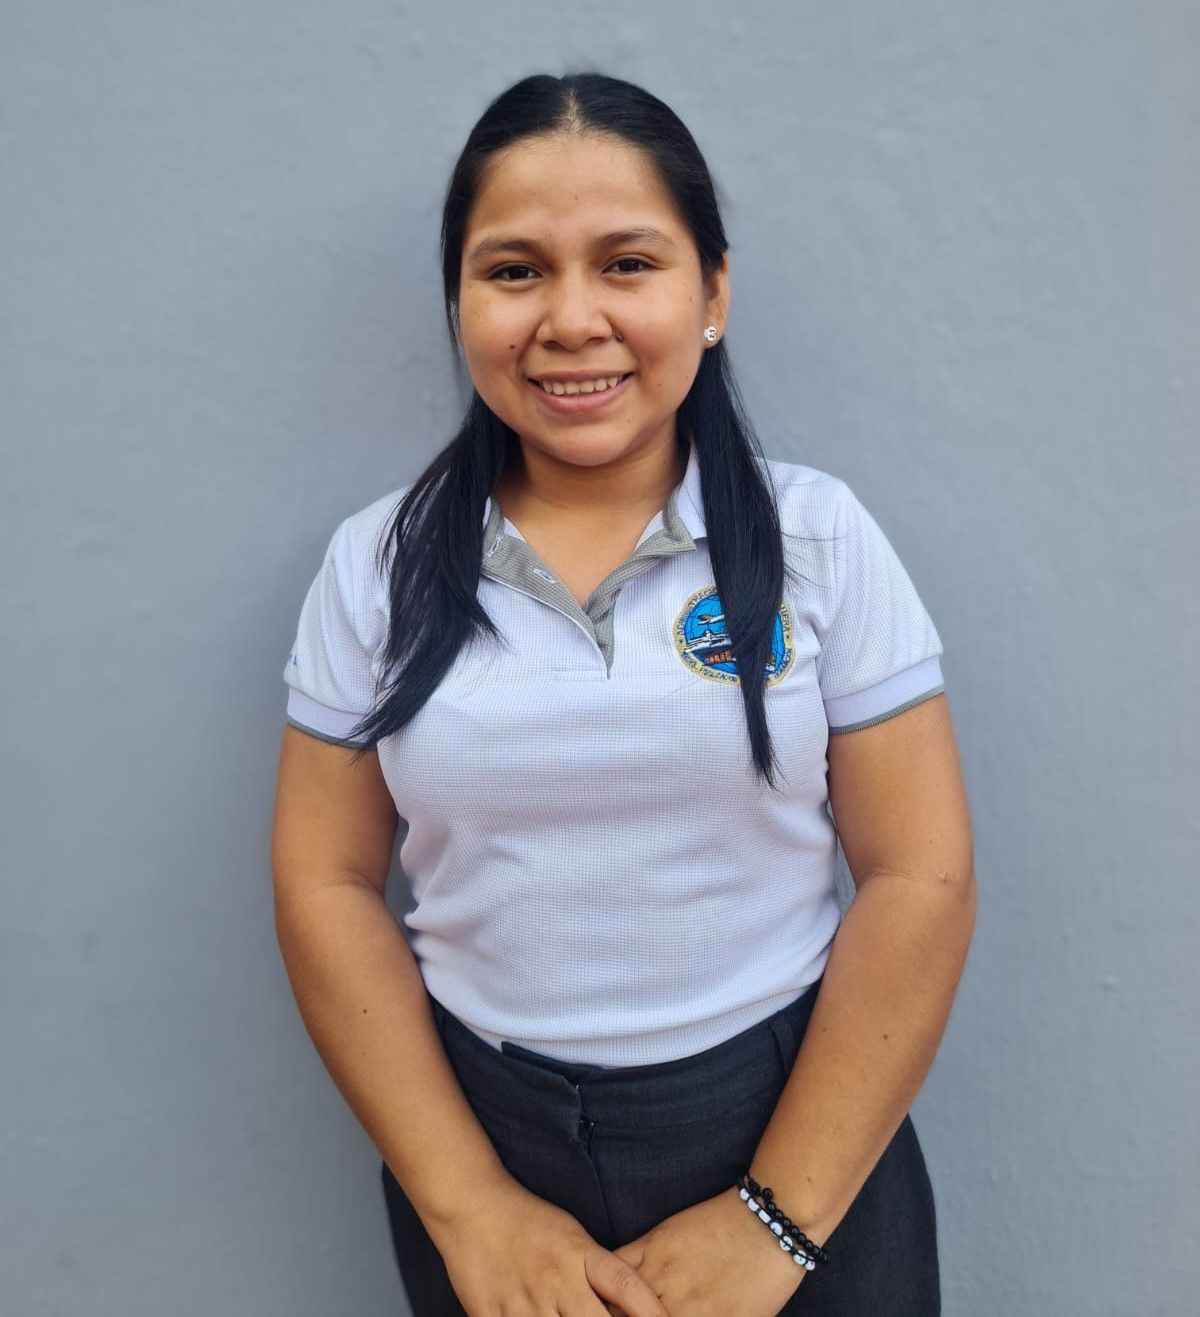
point(599, 874)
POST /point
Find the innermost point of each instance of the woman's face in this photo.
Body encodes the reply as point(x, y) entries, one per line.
point(552, 274)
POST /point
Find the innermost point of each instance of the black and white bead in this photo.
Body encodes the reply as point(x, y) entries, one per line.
point(786, 1242)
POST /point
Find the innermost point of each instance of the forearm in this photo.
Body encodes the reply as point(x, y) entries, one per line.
point(880, 1014)
point(363, 1001)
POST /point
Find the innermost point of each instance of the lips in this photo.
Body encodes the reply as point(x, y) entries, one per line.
point(576, 404)
point(542, 380)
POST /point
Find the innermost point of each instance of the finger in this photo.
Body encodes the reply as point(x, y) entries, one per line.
point(588, 1305)
point(633, 1252)
point(614, 1280)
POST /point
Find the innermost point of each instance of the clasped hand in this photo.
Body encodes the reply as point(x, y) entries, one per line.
point(714, 1259)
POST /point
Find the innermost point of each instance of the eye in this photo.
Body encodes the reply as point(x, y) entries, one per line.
point(501, 275)
point(504, 269)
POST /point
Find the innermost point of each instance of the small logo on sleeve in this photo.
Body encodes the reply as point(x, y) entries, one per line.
point(702, 640)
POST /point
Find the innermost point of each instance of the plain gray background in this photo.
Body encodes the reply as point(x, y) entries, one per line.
point(964, 279)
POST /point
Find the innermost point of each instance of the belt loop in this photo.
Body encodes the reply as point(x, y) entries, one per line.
point(789, 1025)
point(786, 1042)
point(439, 1014)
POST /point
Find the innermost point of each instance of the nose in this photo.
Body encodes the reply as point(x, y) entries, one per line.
point(573, 313)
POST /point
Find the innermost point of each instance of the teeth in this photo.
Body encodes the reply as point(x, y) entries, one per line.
point(582, 386)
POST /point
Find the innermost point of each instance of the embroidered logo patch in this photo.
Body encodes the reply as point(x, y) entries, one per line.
point(702, 640)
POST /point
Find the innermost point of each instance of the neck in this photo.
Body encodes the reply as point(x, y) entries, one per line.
point(534, 485)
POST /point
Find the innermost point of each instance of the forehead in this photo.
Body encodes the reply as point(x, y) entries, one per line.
point(570, 183)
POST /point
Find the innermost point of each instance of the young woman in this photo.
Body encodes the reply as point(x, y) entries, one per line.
point(633, 1058)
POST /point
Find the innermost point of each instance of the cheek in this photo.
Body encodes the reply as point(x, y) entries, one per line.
point(492, 327)
point(668, 325)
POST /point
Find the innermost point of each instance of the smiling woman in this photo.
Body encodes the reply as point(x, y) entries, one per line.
point(580, 658)
point(609, 287)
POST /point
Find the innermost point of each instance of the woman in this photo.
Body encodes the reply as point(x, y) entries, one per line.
point(623, 993)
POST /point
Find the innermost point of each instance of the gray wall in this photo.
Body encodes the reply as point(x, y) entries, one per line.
point(964, 279)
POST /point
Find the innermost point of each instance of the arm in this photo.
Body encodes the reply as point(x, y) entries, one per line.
point(901, 812)
point(355, 979)
point(363, 1001)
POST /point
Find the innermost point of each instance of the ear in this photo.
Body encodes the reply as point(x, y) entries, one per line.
point(716, 290)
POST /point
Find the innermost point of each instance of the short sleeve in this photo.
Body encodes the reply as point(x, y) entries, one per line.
point(329, 672)
point(880, 653)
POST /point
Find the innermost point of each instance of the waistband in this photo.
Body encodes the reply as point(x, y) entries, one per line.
point(695, 1087)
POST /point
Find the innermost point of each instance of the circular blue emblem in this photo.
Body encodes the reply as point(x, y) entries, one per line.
point(702, 640)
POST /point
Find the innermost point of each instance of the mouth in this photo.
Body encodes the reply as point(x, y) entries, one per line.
point(571, 404)
point(569, 389)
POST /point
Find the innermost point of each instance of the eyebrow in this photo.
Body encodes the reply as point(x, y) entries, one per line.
point(510, 243)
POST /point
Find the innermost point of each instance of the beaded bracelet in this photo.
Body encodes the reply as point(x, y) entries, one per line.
point(792, 1239)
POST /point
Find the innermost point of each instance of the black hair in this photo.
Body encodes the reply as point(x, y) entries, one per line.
point(434, 538)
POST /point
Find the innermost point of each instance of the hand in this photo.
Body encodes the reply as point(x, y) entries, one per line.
point(517, 1254)
point(715, 1259)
